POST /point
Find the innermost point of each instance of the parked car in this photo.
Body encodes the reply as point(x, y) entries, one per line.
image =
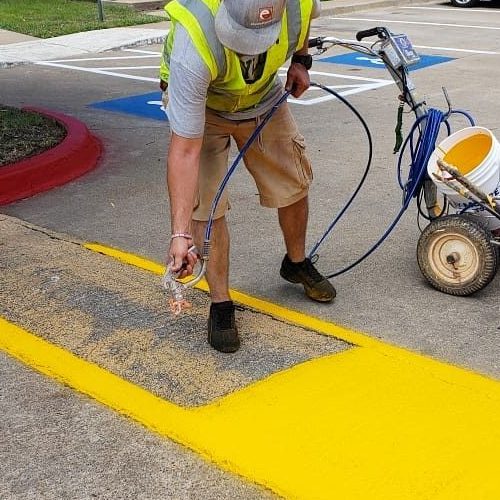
point(466, 3)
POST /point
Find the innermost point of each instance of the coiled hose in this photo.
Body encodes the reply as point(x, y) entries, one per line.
point(420, 153)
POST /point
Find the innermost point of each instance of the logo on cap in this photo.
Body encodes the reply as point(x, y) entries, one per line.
point(266, 13)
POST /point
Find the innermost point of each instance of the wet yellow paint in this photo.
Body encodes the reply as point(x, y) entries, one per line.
point(356, 425)
point(468, 154)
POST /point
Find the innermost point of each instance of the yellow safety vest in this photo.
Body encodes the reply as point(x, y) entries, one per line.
point(228, 90)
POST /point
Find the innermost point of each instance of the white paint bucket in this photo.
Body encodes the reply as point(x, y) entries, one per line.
point(475, 151)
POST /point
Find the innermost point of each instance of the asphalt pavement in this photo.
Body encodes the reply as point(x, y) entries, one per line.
point(62, 445)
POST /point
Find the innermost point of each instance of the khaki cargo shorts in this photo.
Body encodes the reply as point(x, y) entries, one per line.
point(276, 160)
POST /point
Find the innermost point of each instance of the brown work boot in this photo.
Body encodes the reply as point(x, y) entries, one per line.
point(222, 331)
point(316, 286)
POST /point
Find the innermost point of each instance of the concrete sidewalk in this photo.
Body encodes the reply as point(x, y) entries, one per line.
point(16, 48)
point(8, 37)
point(78, 44)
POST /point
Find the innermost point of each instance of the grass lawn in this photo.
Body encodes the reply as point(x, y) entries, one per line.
point(24, 134)
point(48, 18)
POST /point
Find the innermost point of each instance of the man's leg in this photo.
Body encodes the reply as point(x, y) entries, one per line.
point(282, 173)
point(222, 331)
point(293, 223)
point(295, 267)
point(218, 263)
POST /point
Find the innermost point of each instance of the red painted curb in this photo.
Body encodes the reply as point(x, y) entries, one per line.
point(75, 155)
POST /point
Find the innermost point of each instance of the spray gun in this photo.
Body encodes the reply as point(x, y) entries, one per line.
point(177, 289)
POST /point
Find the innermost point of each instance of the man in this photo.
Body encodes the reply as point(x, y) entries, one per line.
point(220, 63)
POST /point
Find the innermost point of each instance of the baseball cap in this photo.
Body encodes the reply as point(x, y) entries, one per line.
point(249, 27)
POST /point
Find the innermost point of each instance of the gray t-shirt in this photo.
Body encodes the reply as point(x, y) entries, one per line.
point(188, 85)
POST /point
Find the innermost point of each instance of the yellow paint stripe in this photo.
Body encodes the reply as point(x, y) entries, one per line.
point(126, 257)
point(359, 425)
point(86, 377)
point(159, 415)
point(354, 425)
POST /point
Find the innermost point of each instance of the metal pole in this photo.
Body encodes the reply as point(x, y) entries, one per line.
point(100, 10)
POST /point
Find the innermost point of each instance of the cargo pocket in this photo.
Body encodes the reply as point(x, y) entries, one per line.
point(302, 163)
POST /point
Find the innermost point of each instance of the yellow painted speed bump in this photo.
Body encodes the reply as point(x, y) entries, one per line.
point(373, 422)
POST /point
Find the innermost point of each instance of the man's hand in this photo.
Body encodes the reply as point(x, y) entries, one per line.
point(180, 259)
point(297, 79)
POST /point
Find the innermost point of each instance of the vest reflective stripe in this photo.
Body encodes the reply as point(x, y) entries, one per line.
point(165, 56)
point(198, 19)
point(205, 17)
point(228, 90)
point(301, 11)
point(293, 25)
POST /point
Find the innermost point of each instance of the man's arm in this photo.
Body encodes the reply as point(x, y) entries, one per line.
point(189, 79)
point(182, 180)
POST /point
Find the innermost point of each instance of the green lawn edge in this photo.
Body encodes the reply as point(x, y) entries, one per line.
point(51, 18)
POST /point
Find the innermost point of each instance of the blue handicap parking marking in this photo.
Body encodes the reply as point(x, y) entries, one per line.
point(144, 105)
point(375, 62)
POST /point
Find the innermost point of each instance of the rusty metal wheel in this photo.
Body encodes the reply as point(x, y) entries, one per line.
point(456, 256)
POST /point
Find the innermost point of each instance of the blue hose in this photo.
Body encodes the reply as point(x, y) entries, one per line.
point(363, 177)
point(419, 154)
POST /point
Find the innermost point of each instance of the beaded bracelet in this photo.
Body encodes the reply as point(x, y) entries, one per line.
point(181, 235)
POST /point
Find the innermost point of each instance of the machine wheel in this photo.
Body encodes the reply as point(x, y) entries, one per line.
point(464, 3)
point(456, 256)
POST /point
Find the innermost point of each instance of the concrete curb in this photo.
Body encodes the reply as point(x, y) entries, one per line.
point(74, 156)
point(78, 45)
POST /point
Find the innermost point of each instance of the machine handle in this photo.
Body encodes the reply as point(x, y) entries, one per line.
point(369, 32)
point(315, 42)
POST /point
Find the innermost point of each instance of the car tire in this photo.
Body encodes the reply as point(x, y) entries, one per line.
point(464, 3)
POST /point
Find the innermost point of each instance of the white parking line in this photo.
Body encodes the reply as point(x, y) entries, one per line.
point(450, 49)
point(428, 47)
point(453, 9)
point(361, 84)
point(418, 23)
point(127, 67)
point(98, 71)
point(139, 51)
point(103, 58)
